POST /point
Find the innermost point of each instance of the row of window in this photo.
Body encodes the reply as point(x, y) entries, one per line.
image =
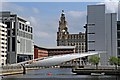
point(4, 47)
point(76, 36)
point(76, 43)
point(3, 51)
point(3, 35)
point(3, 39)
point(3, 30)
point(4, 55)
point(24, 34)
point(3, 43)
point(25, 27)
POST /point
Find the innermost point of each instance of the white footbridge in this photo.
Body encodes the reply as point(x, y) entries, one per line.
point(56, 60)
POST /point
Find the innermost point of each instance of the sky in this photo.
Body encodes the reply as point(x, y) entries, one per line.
point(44, 17)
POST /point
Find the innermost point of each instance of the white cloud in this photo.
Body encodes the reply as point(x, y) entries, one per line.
point(111, 6)
point(41, 34)
point(13, 7)
point(45, 27)
point(76, 20)
point(33, 20)
point(35, 10)
point(76, 14)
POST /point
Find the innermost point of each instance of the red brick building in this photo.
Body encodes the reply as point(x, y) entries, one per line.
point(40, 52)
point(51, 51)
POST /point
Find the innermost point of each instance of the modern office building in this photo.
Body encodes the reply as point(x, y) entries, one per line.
point(66, 39)
point(119, 11)
point(19, 37)
point(102, 32)
point(118, 38)
point(3, 44)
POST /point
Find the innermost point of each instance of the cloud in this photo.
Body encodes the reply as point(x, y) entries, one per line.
point(13, 7)
point(76, 20)
point(111, 6)
point(45, 27)
point(35, 10)
point(41, 34)
point(44, 30)
point(76, 14)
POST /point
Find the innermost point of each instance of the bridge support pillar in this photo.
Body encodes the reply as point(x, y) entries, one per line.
point(24, 69)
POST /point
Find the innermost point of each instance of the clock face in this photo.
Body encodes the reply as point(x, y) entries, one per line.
point(63, 30)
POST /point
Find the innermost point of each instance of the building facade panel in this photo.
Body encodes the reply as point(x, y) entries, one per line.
point(3, 44)
point(119, 11)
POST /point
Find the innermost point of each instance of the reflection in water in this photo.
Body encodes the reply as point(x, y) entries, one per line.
point(56, 73)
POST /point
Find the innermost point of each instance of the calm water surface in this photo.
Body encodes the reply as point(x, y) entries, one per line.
point(57, 74)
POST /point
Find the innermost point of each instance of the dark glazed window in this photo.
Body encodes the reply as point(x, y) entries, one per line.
point(118, 25)
point(19, 25)
point(118, 35)
point(13, 43)
point(118, 43)
point(8, 32)
point(8, 24)
point(8, 43)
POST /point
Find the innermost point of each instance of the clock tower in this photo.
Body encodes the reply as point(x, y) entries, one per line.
point(62, 33)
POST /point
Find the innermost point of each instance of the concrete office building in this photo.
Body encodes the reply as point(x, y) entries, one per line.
point(118, 38)
point(118, 30)
point(19, 37)
point(119, 11)
point(66, 39)
point(102, 32)
point(3, 44)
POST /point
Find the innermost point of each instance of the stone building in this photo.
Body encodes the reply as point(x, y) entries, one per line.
point(66, 39)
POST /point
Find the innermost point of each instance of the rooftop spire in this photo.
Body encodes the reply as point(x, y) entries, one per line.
point(62, 11)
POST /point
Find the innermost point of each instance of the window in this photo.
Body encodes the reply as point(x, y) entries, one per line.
point(13, 43)
point(2, 55)
point(31, 30)
point(23, 27)
point(3, 31)
point(3, 39)
point(13, 32)
point(118, 25)
point(20, 26)
point(8, 44)
point(3, 34)
point(118, 51)
point(26, 28)
point(91, 50)
point(118, 35)
point(2, 47)
point(91, 41)
point(8, 32)
point(8, 24)
point(118, 43)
